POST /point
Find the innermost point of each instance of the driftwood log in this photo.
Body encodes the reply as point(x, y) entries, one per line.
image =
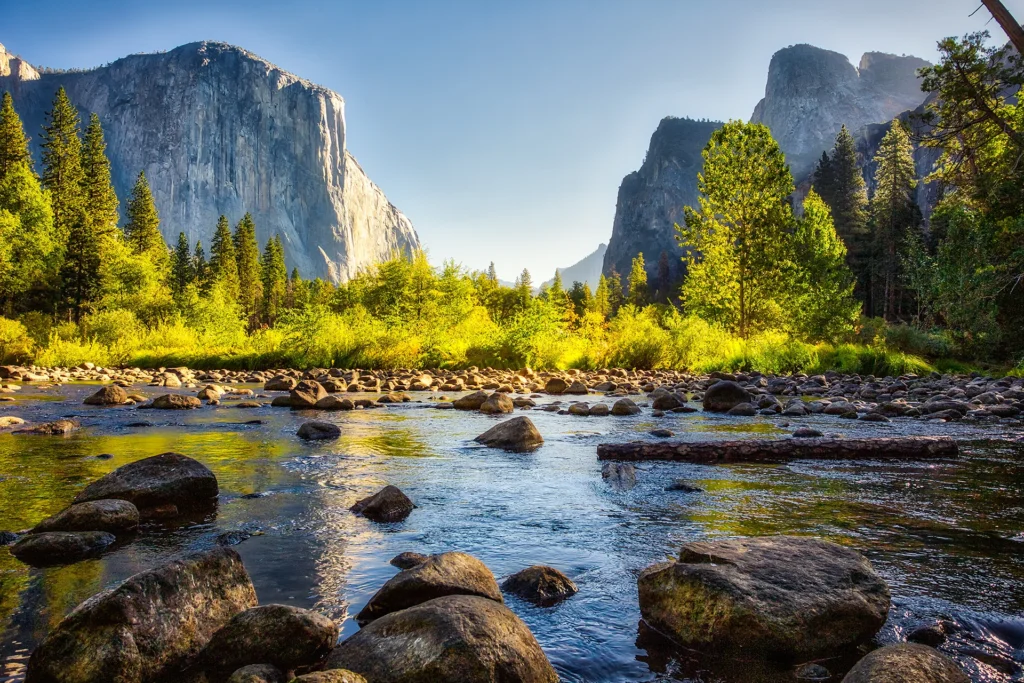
point(781, 450)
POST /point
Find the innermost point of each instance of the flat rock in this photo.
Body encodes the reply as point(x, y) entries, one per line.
point(112, 515)
point(315, 430)
point(541, 585)
point(780, 596)
point(10, 421)
point(168, 479)
point(387, 505)
point(461, 638)
point(61, 547)
point(330, 676)
point(444, 574)
point(55, 428)
point(148, 627)
point(807, 433)
point(175, 402)
point(724, 395)
point(516, 434)
point(110, 395)
point(906, 663)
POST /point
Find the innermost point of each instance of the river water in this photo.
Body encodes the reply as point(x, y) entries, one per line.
point(948, 536)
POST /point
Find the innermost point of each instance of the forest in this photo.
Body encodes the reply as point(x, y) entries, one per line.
point(843, 279)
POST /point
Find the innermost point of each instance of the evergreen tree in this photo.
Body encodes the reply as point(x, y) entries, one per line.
point(183, 271)
point(602, 303)
point(200, 267)
point(894, 214)
point(247, 256)
point(80, 272)
point(223, 262)
point(738, 239)
point(638, 295)
point(142, 228)
point(98, 196)
point(275, 280)
point(524, 289)
point(28, 245)
point(298, 291)
point(615, 294)
point(492, 273)
point(62, 163)
point(581, 297)
point(824, 177)
point(13, 142)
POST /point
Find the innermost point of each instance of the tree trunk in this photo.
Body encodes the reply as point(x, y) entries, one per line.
point(1007, 22)
point(782, 450)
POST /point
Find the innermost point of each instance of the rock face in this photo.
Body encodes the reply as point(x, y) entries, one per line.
point(812, 92)
point(780, 596)
point(149, 626)
point(219, 130)
point(455, 638)
point(651, 200)
point(904, 663)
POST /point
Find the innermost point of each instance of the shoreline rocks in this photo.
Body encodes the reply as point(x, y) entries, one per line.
point(111, 515)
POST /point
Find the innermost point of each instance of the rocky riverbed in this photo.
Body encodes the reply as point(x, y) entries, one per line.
point(397, 467)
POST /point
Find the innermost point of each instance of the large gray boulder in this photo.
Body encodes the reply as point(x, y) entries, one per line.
point(518, 434)
point(115, 516)
point(306, 393)
point(110, 395)
point(61, 547)
point(497, 403)
point(159, 481)
point(147, 628)
point(724, 395)
point(780, 596)
point(317, 430)
point(461, 638)
point(540, 584)
point(387, 505)
point(906, 663)
point(445, 574)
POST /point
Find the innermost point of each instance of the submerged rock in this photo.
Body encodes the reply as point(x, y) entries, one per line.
point(462, 638)
point(315, 430)
point(517, 434)
point(110, 395)
point(779, 596)
point(55, 428)
point(61, 547)
point(904, 663)
point(168, 479)
point(541, 585)
point(114, 516)
point(387, 505)
point(807, 433)
point(724, 395)
point(175, 402)
point(445, 574)
point(683, 486)
point(621, 476)
point(148, 627)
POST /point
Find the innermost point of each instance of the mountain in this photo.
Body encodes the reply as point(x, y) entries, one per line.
point(651, 200)
point(586, 270)
point(219, 130)
point(811, 93)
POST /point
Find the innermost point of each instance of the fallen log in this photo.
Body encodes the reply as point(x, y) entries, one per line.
point(782, 450)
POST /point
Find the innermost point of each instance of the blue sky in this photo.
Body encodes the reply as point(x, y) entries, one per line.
point(503, 129)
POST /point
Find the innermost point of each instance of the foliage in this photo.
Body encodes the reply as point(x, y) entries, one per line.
point(15, 342)
point(98, 196)
point(13, 142)
point(142, 228)
point(62, 163)
point(28, 246)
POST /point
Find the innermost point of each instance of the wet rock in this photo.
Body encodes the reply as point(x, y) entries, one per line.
point(579, 409)
point(471, 401)
point(780, 596)
point(175, 402)
point(306, 393)
point(10, 421)
point(445, 574)
point(315, 430)
point(331, 402)
point(7, 538)
point(742, 410)
point(724, 395)
point(258, 673)
point(110, 395)
point(280, 383)
point(281, 402)
point(457, 638)
point(387, 505)
point(662, 433)
point(518, 434)
point(807, 433)
point(161, 480)
point(55, 428)
point(666, 401)
point(541, 585)
point(904, 663)
point(283, 636)
point(683, 486)
point(115, 516)
point(61, 547)
point(621, 476)
point(599, 410)
point(625, 406)
point(408, 560)
point(330, 676)
point(497, 403)
point(249, 404)
point(577, 388)
point(556, 386)
point(932, 635)
point(874, 417)
point(813, 672)
point(229, 538)
point(150, 626)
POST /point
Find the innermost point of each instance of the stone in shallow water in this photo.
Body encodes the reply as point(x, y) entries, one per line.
point(316, 430)
point(625, 406)
point(330, 676)
point(111, 395)
point(387, 505)
point(742, 410)
point(684, 486)
point(161, 480)
point(724, 395)
point(904, 663)
point(807, 433)
point(55, 428)
point(175, 402)
point(61, 547)
point(408, 560)
point(541, 585)
point(112, 515)
point(517, 434)
point(621, 476)
point(497, 403)
point(471, 401)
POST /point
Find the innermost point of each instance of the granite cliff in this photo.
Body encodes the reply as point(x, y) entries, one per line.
point(219, 130)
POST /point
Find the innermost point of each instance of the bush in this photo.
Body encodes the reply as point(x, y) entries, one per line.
point(15, 342)
point(636, 340)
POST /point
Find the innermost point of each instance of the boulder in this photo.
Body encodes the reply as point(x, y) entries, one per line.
point(161, 480)
point(445, 574)
point(258, 673)
point(724, 395)
point(461, 638)
point(175, 402)
point(471, 401)
point(10, 421)
point(110, 395)
point(666, 401)
point(61, 547)
point(113, 515)
point(742, 410)
point(780, 596)
point(280, 383)
point(906, 663)
point(541, 585)
point(577, 388)
point(331, 402)
point(387, 505)
point(281, 402)
point(625, 406)
point(315, 430)
point(55, 428)
point(306, 393)
point(518, 434)
point(408, 560)
point(497, 403)
point(148, 627)
point(599, 410)
point(283, 636)
point(555, 385)
point(330, 676)
point(621, 476)
point(581, 409)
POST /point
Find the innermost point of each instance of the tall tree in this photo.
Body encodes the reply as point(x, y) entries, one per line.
point(200, 267)
point(223, 261)
point(894, 214)
point(524, 289)
point(62, 162)
point(1014, 31)
point(98, 196)
point(275, 280)
point(142, 227)
point(183, 271)
point(28, 245)
point(602, 303)
point(737, 241)
point(247, 256)
point(615, 293)
point(492, 273)
point(13, 142)
point(80, 272)
point(638, 295)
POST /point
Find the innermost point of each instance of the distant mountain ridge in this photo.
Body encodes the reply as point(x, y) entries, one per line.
point(586, 270)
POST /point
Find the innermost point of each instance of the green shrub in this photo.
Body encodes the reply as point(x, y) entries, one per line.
point(15, 342)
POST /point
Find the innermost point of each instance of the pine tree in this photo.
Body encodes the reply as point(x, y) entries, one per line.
point(601, 298)
point(80, 272)
point(615, 295)
point(492, 273)
point(275, 280)
point(183, 271)
point(62, 163)
point(13, 142)
point(894, 214)
point(638, 282)
point(247, 256)
point(142, 227)
point(298, 291)
point(200, 267)
point(98, 196)
point(223, 262)
point(28, 245)
point(524, 289)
